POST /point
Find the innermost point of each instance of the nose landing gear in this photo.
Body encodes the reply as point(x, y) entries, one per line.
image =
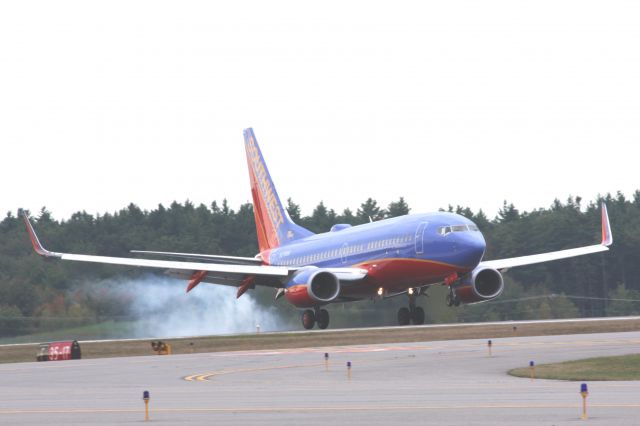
point(413, 313)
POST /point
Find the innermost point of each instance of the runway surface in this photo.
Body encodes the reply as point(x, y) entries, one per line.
point(445, 382)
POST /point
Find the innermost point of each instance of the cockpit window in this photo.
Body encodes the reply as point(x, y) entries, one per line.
point(444, 230)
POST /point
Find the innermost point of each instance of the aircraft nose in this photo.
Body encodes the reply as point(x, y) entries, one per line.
point(471, 248)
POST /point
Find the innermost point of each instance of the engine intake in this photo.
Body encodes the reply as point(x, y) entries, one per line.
point(312, 287)
point(481, 285)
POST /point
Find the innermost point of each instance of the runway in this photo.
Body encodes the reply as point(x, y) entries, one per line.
point(444, 382)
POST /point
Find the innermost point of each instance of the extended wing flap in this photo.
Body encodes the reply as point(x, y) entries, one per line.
point(204, 257)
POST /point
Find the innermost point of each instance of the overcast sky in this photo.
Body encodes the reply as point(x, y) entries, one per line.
point(442, 102)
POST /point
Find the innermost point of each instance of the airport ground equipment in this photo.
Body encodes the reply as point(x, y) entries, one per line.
point(59, 351)
point(161, 348)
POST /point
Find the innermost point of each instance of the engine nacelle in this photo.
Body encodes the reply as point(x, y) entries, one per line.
point(312, 287)
point(480, 285)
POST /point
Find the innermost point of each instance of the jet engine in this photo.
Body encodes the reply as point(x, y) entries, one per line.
point(480, 285)
point(312, 287)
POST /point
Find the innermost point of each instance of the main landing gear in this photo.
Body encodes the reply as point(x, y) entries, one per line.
point(413, 313)
point(317, 315)
point(452, 299)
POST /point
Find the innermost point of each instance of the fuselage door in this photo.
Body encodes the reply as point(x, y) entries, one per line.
point(419, 240)
point(344, 251)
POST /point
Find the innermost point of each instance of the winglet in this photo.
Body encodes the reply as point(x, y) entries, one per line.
point(37, 246)
point(607, 236)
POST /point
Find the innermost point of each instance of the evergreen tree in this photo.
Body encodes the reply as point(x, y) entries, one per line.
point(31, 288)
point(347, 217)
point(321, 219)
point(294, 210)
point(397, 208)
point(369, 210)
point(508, 213)
point(623, 301)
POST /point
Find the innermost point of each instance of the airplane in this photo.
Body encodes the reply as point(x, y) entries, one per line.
point(391, 257)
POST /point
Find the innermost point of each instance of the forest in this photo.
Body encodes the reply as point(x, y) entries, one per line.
point(39, 296)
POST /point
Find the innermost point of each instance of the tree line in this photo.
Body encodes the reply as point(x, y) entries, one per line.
point(38, 295)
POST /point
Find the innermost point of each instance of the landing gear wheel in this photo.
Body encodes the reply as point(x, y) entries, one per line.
point(404, 316)
point(322, 318)
point(308, 319)
point(417, 316)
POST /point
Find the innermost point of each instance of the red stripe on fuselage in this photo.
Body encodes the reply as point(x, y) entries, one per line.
point(409, 271)
point(397, 275)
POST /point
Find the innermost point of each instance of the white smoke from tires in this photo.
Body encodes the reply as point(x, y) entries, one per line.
point(160, 307)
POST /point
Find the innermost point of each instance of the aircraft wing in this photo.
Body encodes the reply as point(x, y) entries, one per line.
point(234, 260)
point(607, 240)
point(262, 270)
point(238, 274)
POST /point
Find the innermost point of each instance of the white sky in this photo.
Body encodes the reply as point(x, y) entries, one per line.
point(442, 102)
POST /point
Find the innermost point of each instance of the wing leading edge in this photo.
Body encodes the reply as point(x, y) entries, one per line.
point(233, 274)
point(607, 240)
point(258, 270)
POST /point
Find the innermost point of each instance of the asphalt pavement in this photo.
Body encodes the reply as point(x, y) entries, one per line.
point(443, 382)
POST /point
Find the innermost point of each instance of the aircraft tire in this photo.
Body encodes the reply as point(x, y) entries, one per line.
point(417, 316)
point(322, 318)
point(404, 316)
point(308, 319)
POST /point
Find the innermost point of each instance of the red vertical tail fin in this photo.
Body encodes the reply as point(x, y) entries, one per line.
point(273, 225)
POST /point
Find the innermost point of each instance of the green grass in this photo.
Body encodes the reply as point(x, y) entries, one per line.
point(626, 367)
point(103, 330)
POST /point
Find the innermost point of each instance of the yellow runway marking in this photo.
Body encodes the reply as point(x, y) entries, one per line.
point(206, 376)
point(463, 351)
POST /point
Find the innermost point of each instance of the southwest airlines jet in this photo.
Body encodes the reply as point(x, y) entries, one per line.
point(399, 256)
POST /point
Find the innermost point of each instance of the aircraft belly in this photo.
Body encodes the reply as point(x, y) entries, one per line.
point(392, 273)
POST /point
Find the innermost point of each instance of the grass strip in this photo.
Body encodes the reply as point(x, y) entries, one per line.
point(625, 367)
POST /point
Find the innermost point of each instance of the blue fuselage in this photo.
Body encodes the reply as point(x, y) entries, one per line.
point(410, 250)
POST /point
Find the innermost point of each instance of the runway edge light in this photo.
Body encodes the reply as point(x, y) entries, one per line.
point(532, 369)
point(326, 361)
point(489, 344)
point(145, 398)
point(584, 391)
point(349, 369)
